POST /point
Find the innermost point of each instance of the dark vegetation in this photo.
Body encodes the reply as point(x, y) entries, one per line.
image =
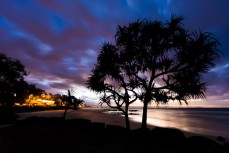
point(36, 108)
point(49, 135)
point(9, 117)
point(71, 100)
point(153, 61)
point(14, 89)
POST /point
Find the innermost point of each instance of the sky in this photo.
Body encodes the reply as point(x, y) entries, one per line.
point(58, 40)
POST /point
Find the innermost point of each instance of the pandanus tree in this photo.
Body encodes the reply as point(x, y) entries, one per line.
point(164, 60)
point(109, 77)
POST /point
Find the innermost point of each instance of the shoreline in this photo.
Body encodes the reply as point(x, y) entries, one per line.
point(100, 115)
point(92, 114)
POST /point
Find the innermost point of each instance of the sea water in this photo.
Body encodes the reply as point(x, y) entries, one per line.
point(207, 121)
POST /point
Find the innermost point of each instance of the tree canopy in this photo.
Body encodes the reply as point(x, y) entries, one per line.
point(110, 77)
point(13, 87)
point(168, 60)
point(11, 77)
point(163, 61)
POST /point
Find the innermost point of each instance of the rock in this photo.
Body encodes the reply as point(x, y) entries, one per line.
point(78, 124)
point(115, 129)
point(98, 127)
point(202, 144)
point(226, 145)
point(220, 138)
point(169, 136)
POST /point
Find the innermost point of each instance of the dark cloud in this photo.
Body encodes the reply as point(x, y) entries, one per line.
point(218, 82)
point(58, 41)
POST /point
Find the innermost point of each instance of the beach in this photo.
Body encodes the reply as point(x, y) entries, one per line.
point(92, 114)
point(102, 115)
point(96, 130)
point(203, 121)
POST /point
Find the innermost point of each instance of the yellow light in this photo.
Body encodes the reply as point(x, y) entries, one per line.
point(43, 95)
point(31, 95)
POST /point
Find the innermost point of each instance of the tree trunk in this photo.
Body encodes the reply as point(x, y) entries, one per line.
point(144, 115)
point(127, 118)
point(65, 112)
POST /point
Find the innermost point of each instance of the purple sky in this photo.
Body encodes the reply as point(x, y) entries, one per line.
point(58, 40)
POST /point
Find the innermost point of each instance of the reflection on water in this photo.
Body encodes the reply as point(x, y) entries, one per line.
point(203, 121)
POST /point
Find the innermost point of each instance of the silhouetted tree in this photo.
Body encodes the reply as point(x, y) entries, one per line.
point(163, 59)
point(69, 100)
point(77, 102)
point(12, 74)
point(58, 99)
point(24, 90)
point(110, 78)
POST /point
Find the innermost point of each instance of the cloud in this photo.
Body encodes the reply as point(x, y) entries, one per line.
point(58, 41)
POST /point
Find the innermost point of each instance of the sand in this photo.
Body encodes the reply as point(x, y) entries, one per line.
point(98, 115)
point(95, 115)
point(42, 137)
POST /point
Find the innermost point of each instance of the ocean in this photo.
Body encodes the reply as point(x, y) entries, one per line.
point(206, 121)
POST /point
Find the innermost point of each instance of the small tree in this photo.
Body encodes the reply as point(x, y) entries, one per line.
point(77, 102)
point(163, 60)
point(69, 100)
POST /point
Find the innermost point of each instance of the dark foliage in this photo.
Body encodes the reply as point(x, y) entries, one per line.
point(13, 87)
point(11, 80)
point(71, 100)
point(162, 60)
